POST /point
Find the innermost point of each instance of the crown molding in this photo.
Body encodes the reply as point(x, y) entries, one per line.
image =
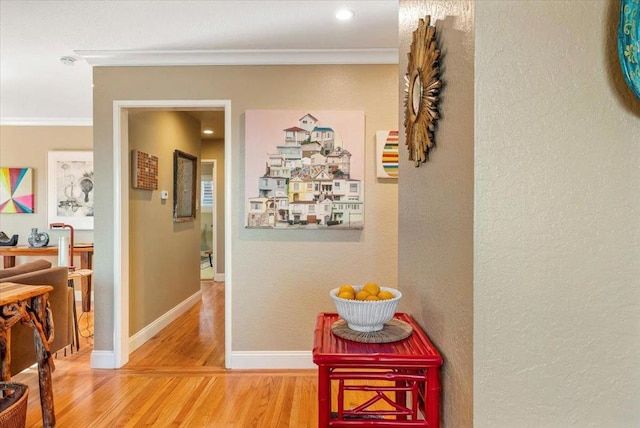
point(46, 121)
point(123, 58)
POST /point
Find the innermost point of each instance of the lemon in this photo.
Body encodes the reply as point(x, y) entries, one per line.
point(372, 288)
point(372, 297)
point(385, 295)
point(362, 295)
point(347, 287)
point(348, 295)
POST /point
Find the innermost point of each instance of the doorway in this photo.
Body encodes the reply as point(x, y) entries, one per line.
point(208, 218)
point(121, 290)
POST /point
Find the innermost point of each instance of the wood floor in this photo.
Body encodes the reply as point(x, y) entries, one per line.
point(176, 379)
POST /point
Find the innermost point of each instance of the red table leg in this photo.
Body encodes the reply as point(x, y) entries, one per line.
point(324, 397)
point(432, 404)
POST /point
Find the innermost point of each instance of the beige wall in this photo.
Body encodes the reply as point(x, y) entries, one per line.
point(557, 219)
point(280, 280)
point(164, 257)
point(435, 236)
point(214, 149)
point(27, 147)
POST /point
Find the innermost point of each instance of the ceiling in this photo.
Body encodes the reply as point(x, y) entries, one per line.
point(37, 88)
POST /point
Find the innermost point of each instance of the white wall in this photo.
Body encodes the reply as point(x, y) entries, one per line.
point(27, 147)
point(557, 219)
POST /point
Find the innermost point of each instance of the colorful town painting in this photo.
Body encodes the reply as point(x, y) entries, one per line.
point(304, 170)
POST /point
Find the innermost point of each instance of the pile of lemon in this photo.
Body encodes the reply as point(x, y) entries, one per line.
point(370, 291)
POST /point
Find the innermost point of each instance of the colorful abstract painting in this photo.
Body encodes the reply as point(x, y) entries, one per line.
point(16, 190)
point(387, 154)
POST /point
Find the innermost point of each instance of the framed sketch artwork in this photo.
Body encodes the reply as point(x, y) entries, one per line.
point(70, 188)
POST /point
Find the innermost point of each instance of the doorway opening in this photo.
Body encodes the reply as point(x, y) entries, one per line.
point(121, 268)
point(208, 219)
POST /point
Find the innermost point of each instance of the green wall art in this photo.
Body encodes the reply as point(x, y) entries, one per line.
point(629, 43)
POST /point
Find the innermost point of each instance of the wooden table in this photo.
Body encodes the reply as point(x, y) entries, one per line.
point(86, 262)
point(9, 254)
point(29, 304)
point(392, 372)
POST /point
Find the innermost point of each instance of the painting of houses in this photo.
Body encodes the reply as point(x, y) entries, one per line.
point(304, 170)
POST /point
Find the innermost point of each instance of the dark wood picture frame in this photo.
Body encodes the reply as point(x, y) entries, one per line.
point(185, 168)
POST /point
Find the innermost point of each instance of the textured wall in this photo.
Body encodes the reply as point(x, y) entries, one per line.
point(435, 236)
point(27, 147)
point(164, 256)
point(557, 221)
point(281, 279)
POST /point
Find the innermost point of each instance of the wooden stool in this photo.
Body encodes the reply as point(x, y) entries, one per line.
point(209, 253)
point(85, 276)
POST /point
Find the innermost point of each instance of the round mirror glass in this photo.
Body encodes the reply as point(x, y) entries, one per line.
point(416, 94)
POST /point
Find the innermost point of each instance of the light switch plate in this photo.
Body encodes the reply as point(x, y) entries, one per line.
point(164, 194)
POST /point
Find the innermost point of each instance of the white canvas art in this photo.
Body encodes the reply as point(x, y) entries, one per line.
point(70, 188)
point(304, 169)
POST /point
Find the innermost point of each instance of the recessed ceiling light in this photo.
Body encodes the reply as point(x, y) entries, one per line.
point(207, 131)
point(345, 14)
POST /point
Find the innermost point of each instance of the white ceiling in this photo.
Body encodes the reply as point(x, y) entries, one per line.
point(37, 88)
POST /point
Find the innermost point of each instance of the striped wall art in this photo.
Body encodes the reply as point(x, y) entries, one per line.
point(387, 154)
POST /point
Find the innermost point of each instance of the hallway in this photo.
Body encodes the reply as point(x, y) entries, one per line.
point(196, 339)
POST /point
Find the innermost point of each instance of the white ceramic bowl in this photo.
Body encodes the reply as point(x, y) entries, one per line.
point(366, 315)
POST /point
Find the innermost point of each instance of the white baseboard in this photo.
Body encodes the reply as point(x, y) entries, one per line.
point(154, 328)
point(103, 360)
point(239, 359)
point(271, 360)
point(218, 277)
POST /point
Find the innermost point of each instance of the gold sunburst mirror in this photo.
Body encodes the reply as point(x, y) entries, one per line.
point(422, 87)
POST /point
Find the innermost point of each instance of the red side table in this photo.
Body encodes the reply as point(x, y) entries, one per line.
point(409, 368)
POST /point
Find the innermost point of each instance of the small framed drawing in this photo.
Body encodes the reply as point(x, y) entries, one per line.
point(70, 188)
point(184, 186)
point(144, 170)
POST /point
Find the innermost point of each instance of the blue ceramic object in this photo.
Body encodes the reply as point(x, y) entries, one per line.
point(37, 239)
point(629, 43)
